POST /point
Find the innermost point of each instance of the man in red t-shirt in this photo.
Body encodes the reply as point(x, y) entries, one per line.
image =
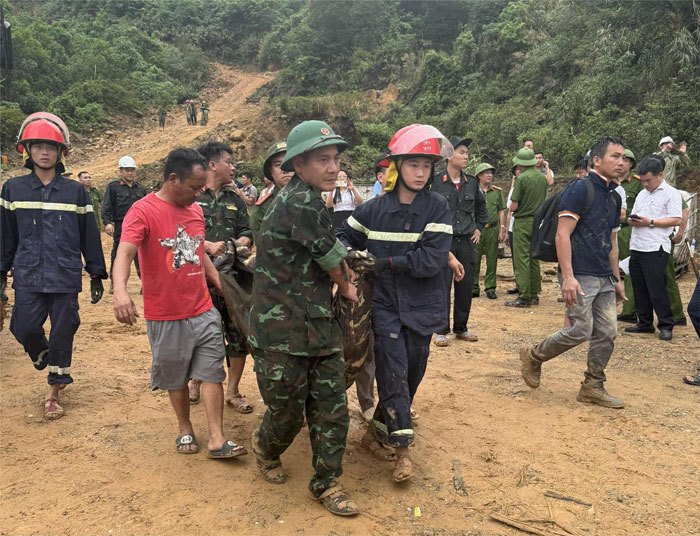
point(184, 329)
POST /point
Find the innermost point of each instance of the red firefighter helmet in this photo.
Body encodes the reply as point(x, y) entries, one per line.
point(46, 127)
point(420, 140)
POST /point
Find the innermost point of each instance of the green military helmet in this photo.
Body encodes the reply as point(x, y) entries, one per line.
point(525, 157)
point(629, 154)
point(275, 149)
point(484, 166)
point(307, 136)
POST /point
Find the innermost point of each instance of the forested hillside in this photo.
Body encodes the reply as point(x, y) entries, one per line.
point(561, 72)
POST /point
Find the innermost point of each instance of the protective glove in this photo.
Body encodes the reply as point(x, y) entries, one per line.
point(96, 289)
point(3, 286)
point(382, 265)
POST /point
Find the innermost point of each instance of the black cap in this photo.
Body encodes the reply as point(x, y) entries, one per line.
point(458, 140)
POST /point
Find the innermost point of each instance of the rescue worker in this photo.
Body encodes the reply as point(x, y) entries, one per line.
point(119, 196)
point(95, 196)
point(225, 218)
point(205, 112)
point(46, 223)
point(162, 114)
point(273, 172)
point(409, 231)
point(296, 341)
point(494, 230)
point(193, 112)
point(469, 216)
point(529, 193)
point(674, 158)
point(188, 111)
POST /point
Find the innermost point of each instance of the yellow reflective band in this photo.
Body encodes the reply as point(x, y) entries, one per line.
point(407, 431)
point(393, 237)
point(352, 222)
point(58, 370)
point(40, 205)
point(438, 228)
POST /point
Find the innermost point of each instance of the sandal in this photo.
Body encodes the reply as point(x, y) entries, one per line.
point(338, 502)
point(440, 340)
point(692, 380)
point(52, 409)
point(379, 451)
point(228, 450)
point(403, 469)
point(239, 403)
point(186, 440)
point(195, 385)
point(270, 469)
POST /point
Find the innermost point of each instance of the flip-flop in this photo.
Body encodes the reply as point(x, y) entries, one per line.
point(228, 450)
point(186, 439)
point(52, 409)
point(692, 379)
point(239, 403)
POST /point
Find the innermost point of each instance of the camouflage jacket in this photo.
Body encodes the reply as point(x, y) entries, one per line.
point(291, 308)
point(258, 212)
point(225, 215)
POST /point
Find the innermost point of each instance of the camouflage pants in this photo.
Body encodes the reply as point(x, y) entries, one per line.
point(235, 342)
point(290, 385)
point(594, 319)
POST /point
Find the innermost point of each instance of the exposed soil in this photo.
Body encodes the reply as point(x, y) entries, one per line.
point(109, 466)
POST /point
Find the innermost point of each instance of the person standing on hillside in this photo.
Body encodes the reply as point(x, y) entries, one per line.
point(45, 226)
point(494, 230)
point(188, 111)
point(205, 112)
point(95, 196)
point(296, 341)
point(589, 275)
point(161, 117)
point(193, 112)
point(119, 197)
point(225, 218)
point(469, 215)
point(673, 161)
point(529, 193)
point(543, 167)
point(184, 329)
point(279, 178)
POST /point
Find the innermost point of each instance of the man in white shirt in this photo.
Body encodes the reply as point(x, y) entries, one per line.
point(656, 210)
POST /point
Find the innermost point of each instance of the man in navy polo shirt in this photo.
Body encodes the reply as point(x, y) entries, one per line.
point(590, 276)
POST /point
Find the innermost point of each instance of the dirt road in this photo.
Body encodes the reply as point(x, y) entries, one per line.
point(110, 467)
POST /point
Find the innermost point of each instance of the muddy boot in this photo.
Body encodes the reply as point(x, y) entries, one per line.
point(595, 393)
point(337, 501)
point(530, 368)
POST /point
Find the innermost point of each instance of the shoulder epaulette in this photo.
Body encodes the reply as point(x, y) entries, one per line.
point(262, 199)
point(636, 177)
point(496, 188)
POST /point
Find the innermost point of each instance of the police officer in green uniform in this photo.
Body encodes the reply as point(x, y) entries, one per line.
point(95, 196)
point(296, 341)
point(632, 186)
point(529, 193)
point(273, 172)
point(494, 230)
point(225, 218)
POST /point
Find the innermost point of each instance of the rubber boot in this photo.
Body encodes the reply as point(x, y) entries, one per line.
point(595, 393)
point(530, 368)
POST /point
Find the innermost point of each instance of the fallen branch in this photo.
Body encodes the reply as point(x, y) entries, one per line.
point(526, 527)
point(555, 495)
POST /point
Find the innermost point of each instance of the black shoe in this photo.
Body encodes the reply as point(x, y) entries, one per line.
point(665, 335)
point(632, 319)
point(475, 294)
point(491, 295)
point(520, 302)
point(535, 300)
point(680, 322)
point(640, 329)
point(513, 291)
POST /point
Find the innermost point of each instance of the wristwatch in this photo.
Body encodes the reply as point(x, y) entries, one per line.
point(651, 225)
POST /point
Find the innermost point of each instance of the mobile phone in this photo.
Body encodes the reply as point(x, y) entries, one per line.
point(633, 217)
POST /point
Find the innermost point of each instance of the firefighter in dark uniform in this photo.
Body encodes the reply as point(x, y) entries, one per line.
point(469, 216)
point(409, 232)
point(46, 223)
point(119, 197)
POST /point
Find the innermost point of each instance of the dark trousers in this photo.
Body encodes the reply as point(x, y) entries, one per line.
point(400, 366)
point(292, 385)
point(694, 308)
point(27, 325)
point(364, 383)
point(462, 248)
point(117, 238)
point(648, 273)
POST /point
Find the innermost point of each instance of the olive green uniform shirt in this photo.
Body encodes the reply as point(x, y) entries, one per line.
point(291, 308)
point(96, 201)
point(673, 162)
point(225, 215)
point(632, 186)
point(530, 191)
point(494, 203)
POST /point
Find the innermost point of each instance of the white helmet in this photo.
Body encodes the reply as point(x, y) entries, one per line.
point(665, 139)
point(127, 161)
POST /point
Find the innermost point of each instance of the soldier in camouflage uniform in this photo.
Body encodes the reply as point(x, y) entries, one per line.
point(296, 340)
point(273, 172)
point(225, 218)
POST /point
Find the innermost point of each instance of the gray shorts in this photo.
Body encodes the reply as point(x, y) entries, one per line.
point(186, 349)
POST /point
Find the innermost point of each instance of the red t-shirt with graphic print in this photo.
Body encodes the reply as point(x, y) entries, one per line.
point(171, 249)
